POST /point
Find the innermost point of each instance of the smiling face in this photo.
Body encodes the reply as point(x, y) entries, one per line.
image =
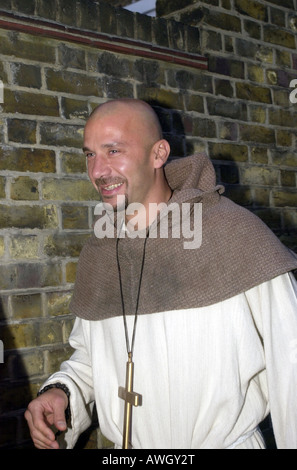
point(121, 143)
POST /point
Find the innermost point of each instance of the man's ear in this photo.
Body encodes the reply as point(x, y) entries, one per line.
point(161, 152)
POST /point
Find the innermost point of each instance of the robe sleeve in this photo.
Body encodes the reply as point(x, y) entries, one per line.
point(76, 374)
point(274, 308)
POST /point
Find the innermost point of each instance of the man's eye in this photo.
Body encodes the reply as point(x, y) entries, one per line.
point(89, 154)
point(113, 151)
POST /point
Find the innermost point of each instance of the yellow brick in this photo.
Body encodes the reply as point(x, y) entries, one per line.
point(69, 190)
point(51, 216)
point(288, 178)
point(58, 303)
point(25, 247)
point(288, 158)
point(259, 155)
point(2, 187)
point(258, 114)
point(284, 138)
point(256, 73)
point(50, 332)
point(285, 198)
point(18, 336)
point(27, 47)
point(26, 306)
point(278, 36)
point(24, 188)
point(272, 77)
point(234, 152)
point(75, 217)
point(27, 159)
point(24, 102)
point(25, 216)
point(252, 8)
point(259, 134)
point(166, 97)
point(56, 356)
point(65, 244)
point(283, 58)
point(251, 92)
point(71, 268)
point(259, 175)
point(265, 54)
point(73, 163)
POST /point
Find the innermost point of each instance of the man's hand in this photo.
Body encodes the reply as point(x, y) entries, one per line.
point(44, 412)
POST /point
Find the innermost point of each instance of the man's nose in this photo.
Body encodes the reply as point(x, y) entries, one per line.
point(99, 167)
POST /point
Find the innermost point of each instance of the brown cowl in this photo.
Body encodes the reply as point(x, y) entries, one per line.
point(237, 253)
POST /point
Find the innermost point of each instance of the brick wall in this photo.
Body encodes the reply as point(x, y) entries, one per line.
point(243, 113)
point(58, 61)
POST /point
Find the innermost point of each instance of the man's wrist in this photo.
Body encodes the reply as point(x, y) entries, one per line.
point(60, 386)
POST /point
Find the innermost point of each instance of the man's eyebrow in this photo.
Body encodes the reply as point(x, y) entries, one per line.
point(112, 144)
point(107, 145)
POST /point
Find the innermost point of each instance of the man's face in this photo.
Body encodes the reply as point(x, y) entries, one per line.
point(119, 157)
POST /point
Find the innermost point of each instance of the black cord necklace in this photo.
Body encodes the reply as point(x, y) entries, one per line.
point(127, 393)
point(130, 349)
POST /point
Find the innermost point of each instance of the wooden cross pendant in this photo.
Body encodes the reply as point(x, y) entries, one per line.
point(131, 399)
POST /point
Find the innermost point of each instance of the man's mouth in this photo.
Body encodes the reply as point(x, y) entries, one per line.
point(111, 187)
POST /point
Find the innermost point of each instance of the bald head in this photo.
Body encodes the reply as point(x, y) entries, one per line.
point(126, 153)
point(138, 112)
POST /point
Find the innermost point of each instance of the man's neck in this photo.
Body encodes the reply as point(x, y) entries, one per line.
point(141, 216)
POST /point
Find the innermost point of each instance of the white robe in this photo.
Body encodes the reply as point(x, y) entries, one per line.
point(208, 376)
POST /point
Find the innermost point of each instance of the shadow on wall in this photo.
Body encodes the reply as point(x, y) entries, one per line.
point(173, 129)
point(15, 389)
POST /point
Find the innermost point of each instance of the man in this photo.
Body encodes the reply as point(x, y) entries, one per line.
point(215, 337)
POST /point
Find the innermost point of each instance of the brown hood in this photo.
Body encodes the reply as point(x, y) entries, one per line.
point(191, 175)
point(237, 253)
